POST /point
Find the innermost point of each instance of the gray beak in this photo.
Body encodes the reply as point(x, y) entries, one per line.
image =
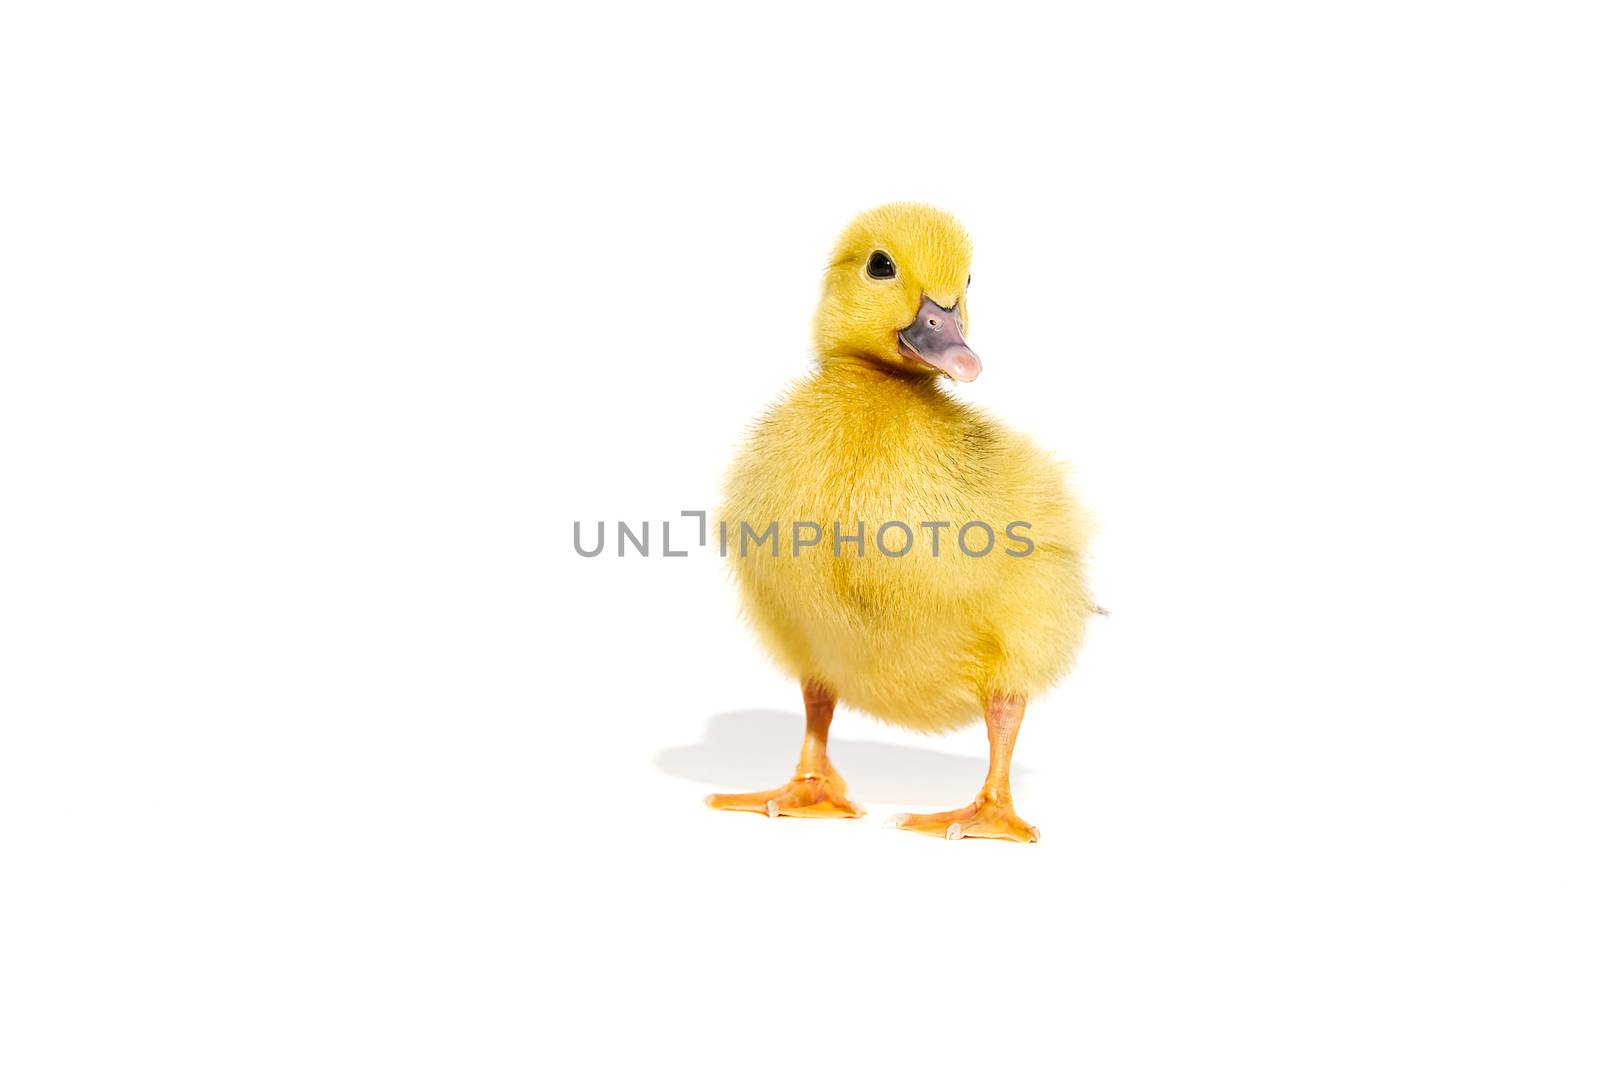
point(934, 338)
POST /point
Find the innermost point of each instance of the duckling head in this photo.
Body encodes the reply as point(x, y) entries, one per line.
point(895, 294)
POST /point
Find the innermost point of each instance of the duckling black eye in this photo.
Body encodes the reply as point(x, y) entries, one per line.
point(880, 266)
point(969, 282)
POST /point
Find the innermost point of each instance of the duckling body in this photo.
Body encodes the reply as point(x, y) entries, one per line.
point(910, 637)
point(896, 549)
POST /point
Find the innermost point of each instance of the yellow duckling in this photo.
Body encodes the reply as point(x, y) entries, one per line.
point(896, 550)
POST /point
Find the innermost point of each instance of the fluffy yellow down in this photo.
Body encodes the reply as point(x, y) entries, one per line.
point(920, 640)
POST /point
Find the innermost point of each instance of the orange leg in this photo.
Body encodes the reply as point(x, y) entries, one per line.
point(816, 790)
point(991, 815)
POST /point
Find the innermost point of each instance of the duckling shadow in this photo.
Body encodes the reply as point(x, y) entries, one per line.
point(753, 749)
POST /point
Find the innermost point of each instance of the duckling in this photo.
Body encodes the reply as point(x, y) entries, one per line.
point(879, 588)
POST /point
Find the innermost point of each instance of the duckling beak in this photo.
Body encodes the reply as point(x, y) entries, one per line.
point(934, 338)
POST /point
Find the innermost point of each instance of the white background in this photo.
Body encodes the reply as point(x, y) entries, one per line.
point(323, 323)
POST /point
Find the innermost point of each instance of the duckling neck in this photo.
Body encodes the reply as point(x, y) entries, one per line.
point(892, 416)
point(869, 379)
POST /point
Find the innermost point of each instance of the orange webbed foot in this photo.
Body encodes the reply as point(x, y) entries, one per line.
point(803, 796)
point(986, 818)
